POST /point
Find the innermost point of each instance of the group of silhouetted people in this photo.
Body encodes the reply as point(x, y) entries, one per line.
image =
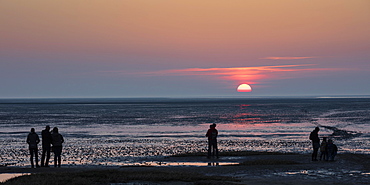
point(328, 150)
point(51, 141)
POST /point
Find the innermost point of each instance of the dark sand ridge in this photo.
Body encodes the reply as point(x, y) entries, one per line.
point(253, 169)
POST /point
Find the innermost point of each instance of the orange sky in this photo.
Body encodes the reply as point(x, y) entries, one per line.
point(249, 75)
point(86, 37)
point(158, 27)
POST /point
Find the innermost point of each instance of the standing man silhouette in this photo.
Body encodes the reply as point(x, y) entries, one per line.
point(212, 134)
point(314, 136)
point(32, 140)
point(46, 141)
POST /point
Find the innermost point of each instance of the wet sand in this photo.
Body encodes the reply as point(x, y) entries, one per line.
point(253, 169)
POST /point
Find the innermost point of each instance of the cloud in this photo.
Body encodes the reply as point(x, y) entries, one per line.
point(287, 58)
point(256, 75)
point(251, 75)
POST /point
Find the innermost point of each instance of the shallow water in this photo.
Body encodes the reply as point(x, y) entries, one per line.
point(7, 176)
point(326, 173)
point(126, 131)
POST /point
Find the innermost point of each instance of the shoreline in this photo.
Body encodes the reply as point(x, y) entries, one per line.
point(261, 168)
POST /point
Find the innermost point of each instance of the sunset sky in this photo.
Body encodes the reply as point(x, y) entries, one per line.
point(184, 48)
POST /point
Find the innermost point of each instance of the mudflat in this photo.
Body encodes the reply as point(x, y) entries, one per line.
point(195, 169)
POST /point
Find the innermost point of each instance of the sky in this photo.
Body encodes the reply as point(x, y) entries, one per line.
point(183, 48)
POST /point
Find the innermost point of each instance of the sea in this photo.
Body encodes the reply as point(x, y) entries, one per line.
point(124, 131)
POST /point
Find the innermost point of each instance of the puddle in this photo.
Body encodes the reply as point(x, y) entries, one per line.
point(7, 176)
point(156, 163)
point(324, 173)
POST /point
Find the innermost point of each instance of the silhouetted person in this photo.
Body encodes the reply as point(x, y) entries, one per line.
point(323, 150)
point(332, 150)
point(46, 142)
point(32, 140)
point(314, 136)
point(56, 141)
point(214, 164)
point(212, 141)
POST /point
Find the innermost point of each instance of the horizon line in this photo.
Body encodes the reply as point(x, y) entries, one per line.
point(187, 97)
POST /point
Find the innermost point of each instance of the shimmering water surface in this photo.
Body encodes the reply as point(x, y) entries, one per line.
point(123, 131)
point(6, 176)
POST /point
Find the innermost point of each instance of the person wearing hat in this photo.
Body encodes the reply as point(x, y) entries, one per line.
point(212, 134)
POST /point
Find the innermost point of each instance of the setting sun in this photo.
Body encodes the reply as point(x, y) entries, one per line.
point(244, 88)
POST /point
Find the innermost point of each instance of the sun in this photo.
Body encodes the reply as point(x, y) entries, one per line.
point(244, 88)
